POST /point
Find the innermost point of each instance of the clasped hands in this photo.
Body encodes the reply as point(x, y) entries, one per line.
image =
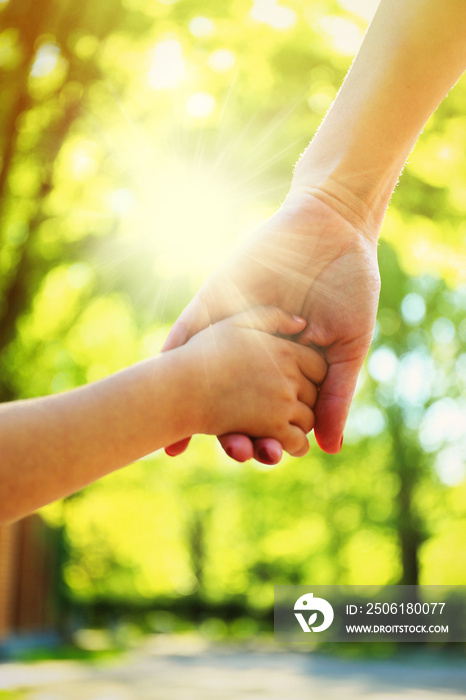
point(311, 260)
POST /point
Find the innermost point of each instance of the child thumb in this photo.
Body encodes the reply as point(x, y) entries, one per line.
point(271, 319)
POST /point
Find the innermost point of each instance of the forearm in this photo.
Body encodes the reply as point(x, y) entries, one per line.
point(413, 53)
point(53, 446)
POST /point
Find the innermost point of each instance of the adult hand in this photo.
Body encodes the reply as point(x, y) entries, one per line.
point(315, 258)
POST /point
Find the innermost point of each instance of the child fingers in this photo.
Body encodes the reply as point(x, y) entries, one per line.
point(303, 418)
point(270, 319)
point(311, 364)
point(295, 442)
point(307, 392)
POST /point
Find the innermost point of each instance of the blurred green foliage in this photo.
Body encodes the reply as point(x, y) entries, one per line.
point(140, 140)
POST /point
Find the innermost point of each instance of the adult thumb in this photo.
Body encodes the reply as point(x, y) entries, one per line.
point(333, 404)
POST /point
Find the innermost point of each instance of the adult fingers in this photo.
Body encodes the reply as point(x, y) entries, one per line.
point(242, 448)
point(178, 447)
point(237, 446)
point(333, 404)
point(267, 451)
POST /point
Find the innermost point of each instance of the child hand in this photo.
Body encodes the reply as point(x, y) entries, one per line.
point(245, 379)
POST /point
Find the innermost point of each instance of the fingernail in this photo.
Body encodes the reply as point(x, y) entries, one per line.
point(229, 452)
point(298, 318)
point(264, 455)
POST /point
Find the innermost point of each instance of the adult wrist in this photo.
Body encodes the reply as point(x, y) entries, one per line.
point(360, 199)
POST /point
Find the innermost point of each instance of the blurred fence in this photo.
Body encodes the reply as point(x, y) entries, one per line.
point(28, 581)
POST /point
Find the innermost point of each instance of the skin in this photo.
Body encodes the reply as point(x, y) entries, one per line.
point(317, 256)
point(234, 376)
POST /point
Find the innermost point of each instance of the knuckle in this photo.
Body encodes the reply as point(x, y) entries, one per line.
point(278, 427)
point(286, 353)
point(286, 392)
point(291, 395)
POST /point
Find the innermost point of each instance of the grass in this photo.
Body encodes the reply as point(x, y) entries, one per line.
point(63, 653)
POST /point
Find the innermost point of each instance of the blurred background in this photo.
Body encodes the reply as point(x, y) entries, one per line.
point(140, 142)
